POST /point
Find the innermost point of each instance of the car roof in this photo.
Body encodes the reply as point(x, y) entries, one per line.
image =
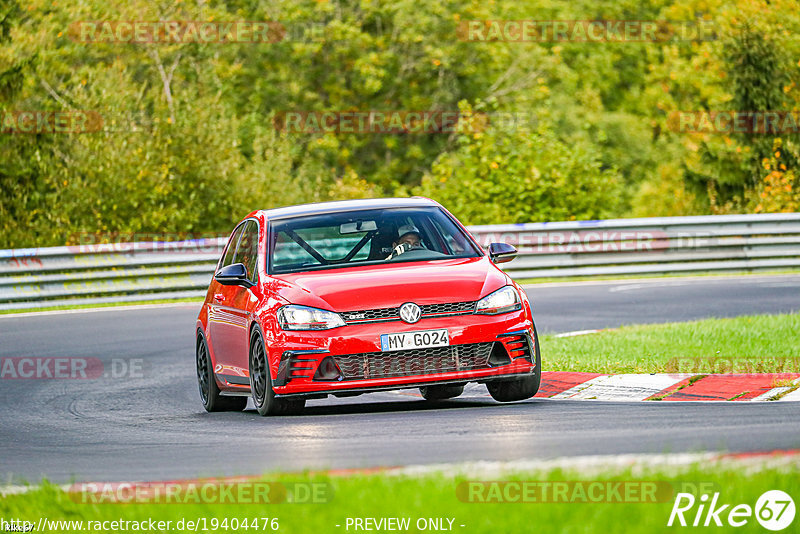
point(347, 205)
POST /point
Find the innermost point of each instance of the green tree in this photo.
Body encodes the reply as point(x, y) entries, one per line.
point(520, 174)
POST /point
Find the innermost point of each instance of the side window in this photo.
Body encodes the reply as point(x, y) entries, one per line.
point(231, 248)
point(247, 253)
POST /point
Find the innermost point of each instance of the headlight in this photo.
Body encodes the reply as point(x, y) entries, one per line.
point(503, 300)
point(293, 317)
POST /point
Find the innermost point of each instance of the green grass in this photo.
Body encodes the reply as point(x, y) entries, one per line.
point(102, 305)
point(749, 344)
point(438, 496)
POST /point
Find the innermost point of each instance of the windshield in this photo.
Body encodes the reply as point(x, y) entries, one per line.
point(365, 237)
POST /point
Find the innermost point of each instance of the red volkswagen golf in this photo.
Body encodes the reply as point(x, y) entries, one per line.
point(345, 298)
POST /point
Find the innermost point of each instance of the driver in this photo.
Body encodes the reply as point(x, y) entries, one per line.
point(408, 239)
point(408, 234)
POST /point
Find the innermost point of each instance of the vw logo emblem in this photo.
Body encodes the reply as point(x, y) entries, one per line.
point(410, 312)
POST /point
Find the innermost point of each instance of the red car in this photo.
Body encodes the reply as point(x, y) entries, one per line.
point(349, 297)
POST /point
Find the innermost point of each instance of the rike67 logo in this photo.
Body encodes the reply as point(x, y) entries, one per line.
point(774, 510)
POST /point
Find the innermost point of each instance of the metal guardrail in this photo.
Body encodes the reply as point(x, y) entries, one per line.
point(663, 245)
point(129, 272)
point(99, 273)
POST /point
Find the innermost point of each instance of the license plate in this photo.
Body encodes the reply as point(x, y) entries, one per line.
point(422, 339)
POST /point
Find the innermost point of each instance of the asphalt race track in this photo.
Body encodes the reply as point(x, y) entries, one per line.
point(152, 426)
point(590, 305)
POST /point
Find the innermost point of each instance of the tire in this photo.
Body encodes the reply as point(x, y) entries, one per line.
point(261, 383)
point(522, 388)
point(435, 393)
point(210, 395)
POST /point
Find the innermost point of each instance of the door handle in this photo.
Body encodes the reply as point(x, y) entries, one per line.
point(219, 298)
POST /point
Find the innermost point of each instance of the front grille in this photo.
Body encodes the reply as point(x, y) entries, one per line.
point(393, 314)
point(366, 316)
point(450, 307)
point(435, 360)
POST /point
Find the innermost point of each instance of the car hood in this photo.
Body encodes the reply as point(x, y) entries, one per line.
point(387, 286)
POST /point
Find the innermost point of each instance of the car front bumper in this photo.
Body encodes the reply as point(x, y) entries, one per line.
point(295, 356)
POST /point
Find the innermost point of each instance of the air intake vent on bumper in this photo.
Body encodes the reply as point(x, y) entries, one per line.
point(518, 344)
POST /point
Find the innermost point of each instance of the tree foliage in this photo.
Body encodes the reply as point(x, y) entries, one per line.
point(188, 142)
point(521, 174)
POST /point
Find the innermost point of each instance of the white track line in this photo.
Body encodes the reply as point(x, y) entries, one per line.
point(574, 390)
point(794, 395)
point(18, 490)
point(770, 394)
point(774, 392)
point(657, 280)
point(577, 333)
point(618, 388)
point(627, 387)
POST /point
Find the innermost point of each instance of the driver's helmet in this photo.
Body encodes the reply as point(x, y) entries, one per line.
point(407, 229)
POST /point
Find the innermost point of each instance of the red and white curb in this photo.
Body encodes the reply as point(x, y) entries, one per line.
point(621, 387)
point(675, 387)
point(659, 387)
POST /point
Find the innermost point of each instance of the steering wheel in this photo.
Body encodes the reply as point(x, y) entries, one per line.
point(411, 252)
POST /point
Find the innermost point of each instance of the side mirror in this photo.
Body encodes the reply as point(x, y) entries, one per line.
point(501, 252)
point(233, 275)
